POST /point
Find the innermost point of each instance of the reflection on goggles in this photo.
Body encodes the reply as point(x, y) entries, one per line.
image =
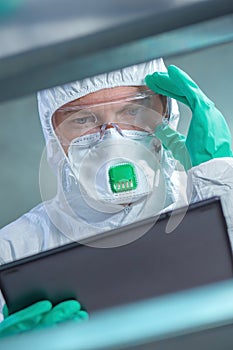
point(143, 111)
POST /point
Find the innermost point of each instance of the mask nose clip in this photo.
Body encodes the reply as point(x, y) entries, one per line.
point(106, 126)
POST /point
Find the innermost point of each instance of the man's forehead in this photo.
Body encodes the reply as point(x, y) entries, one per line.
point(107, 95)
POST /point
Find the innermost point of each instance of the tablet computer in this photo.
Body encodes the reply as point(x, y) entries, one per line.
point(196, 253)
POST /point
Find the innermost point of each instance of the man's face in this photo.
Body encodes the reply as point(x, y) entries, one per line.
point(124, 106)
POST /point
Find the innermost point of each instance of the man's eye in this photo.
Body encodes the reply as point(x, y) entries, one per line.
point(133, 111)
point(84, 120)
point(81, 120)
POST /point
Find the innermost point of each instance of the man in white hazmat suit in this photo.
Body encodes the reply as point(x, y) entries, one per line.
point(92, 139)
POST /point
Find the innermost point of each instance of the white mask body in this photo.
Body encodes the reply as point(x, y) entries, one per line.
point(92, 157)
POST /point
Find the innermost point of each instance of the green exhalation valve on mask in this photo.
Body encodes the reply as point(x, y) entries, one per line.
point(122, 177)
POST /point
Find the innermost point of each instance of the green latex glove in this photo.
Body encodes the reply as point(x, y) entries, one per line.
point(39, 315)
point(208, 135)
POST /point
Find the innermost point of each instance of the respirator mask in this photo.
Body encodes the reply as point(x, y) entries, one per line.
point(112, 150)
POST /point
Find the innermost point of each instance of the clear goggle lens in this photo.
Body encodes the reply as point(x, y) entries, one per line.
point(142, 112)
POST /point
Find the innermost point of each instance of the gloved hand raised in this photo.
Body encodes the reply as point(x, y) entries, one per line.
point(39, 315)
point(208, 135)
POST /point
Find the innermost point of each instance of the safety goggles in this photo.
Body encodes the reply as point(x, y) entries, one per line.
point(143, 111)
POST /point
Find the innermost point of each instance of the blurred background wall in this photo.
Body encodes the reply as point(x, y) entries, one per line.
point(22, 143)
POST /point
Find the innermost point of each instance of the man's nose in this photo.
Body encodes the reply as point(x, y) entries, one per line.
point(108, 116)
point(106, 126)
point(109, 125)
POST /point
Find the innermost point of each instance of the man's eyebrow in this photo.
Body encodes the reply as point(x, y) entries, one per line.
point(128, 104)
point(65, 109)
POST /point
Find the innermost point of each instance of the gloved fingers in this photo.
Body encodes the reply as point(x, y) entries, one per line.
point(32, 311)
point(161, 83)
point(181, 78)
point(25, 319)
point(5, 311)
point(187, 86)
point(65, 310)
point(178, 85)
point(82, 315)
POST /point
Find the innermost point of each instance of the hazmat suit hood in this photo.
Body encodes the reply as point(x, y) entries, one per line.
point(74, 210)
point(50, 100)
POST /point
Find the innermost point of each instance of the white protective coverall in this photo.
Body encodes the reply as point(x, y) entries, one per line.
point(34, 231)
point(49, 224)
